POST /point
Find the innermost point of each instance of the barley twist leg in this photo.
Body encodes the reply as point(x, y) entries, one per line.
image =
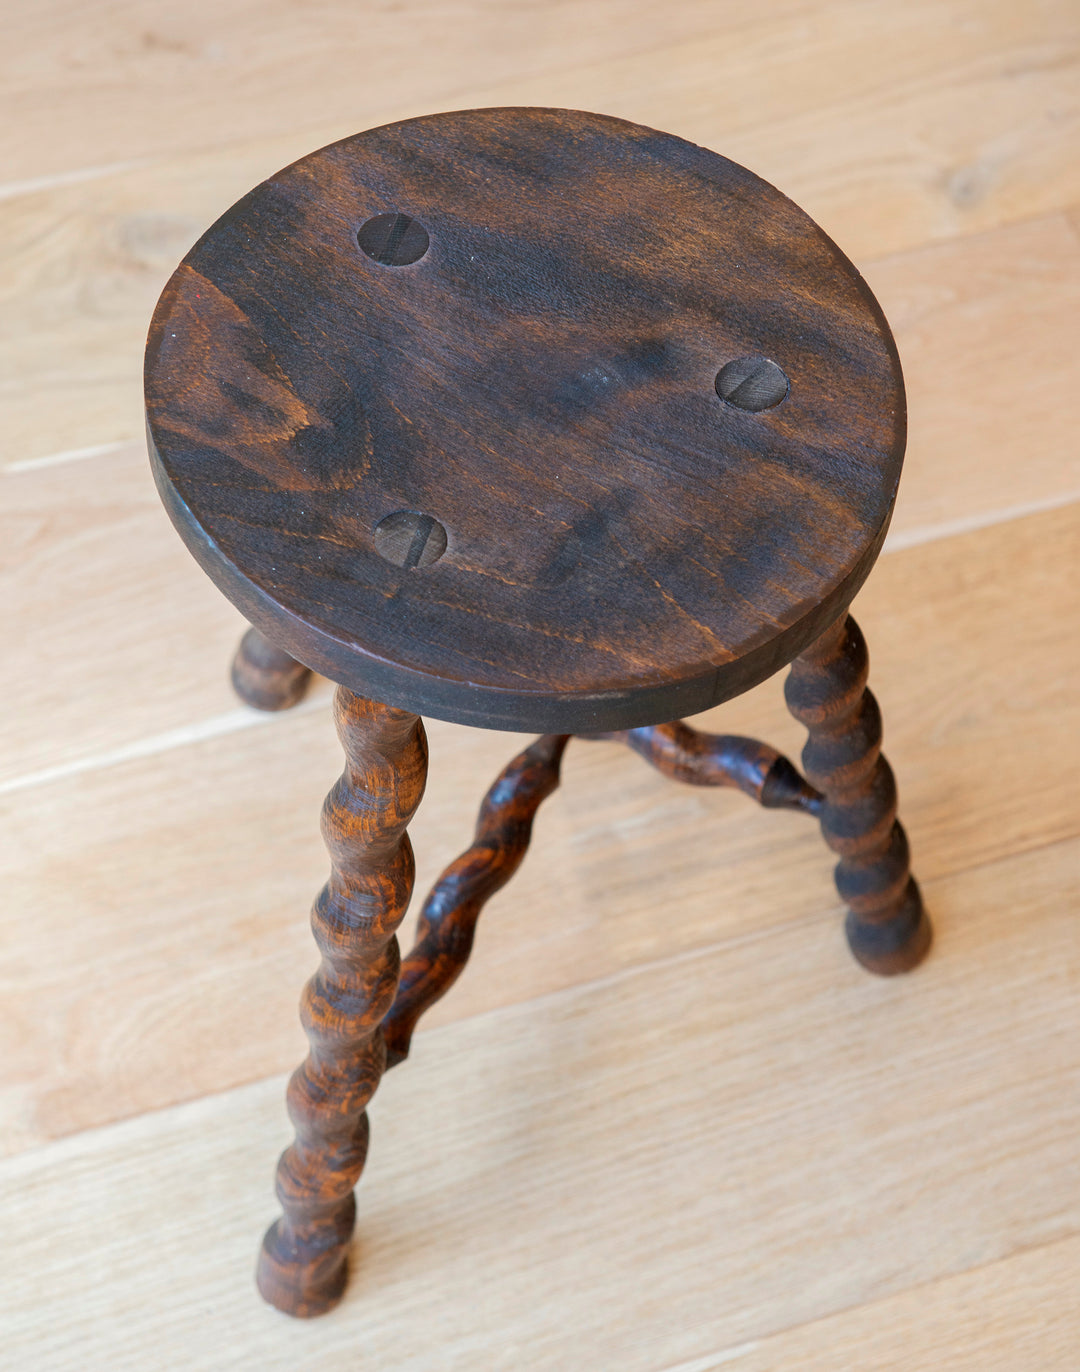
point(302, 1266)
point(887, 928)
point(266, 677)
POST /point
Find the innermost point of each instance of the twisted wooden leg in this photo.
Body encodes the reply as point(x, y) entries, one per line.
point(265, 677)
point(302, 1266)
point(887, 928)
point(448, 919)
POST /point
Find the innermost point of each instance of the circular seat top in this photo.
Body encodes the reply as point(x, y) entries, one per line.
point(527, 418)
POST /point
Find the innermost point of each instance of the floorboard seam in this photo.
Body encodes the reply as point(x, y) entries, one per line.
point(621, 975)
point(216, 726)
point(710, 1360)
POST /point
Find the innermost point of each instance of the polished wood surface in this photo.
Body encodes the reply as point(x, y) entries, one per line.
point(904, 1220)
point(453, 409)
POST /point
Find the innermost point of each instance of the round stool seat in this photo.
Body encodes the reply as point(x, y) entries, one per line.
point(527, 418)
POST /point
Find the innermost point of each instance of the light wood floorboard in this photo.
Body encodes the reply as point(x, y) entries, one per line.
point(791, 1141)
point(89, 89)
point(888, 136)
point(130, 80)
point(1019, 1314)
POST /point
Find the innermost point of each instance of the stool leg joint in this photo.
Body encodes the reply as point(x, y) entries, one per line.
point(702, 759)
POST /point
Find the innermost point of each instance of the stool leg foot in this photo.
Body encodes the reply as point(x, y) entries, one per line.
point(265, 677)
point(887, 928)
point(302, 1266)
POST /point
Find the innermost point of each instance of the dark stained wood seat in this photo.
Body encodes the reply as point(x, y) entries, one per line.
point(528, 419)
point(482, 466)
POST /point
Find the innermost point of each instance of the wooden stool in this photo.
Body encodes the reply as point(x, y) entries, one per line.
point(535, 420)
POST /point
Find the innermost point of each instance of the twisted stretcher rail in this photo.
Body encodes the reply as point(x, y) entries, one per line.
point(448, 918)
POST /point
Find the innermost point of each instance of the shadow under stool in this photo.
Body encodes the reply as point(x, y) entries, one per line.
point(531, 420)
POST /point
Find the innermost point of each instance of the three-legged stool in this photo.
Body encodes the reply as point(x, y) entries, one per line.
point(533, 420)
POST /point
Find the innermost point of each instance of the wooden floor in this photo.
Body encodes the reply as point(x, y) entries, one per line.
point(664, 1123)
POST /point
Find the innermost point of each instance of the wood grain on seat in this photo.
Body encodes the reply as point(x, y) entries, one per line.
point(527, 418)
